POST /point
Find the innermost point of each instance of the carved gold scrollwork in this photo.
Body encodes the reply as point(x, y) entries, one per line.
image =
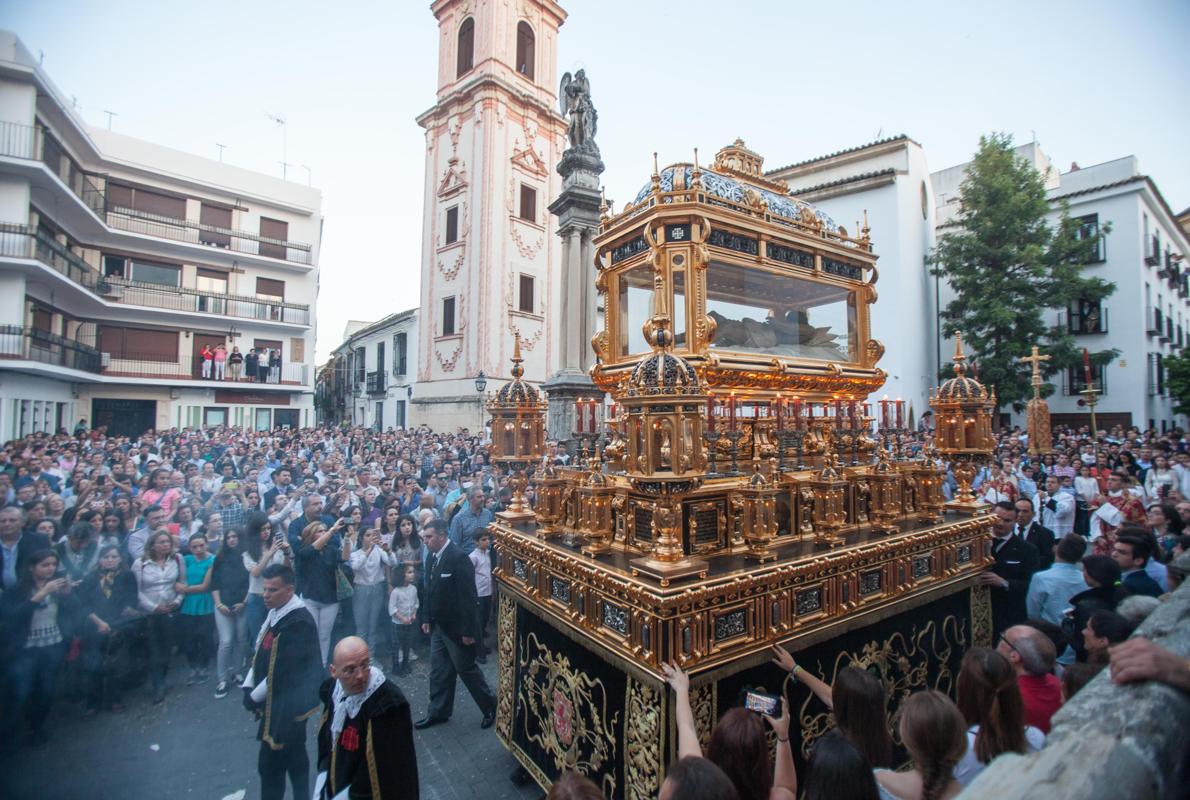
point(901, 662)
point(981, 616)
point(506, 652)
point(875, 350)
point(642, 741)
point(702, 703)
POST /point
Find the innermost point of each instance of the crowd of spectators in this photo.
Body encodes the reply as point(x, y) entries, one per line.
point(126, 559)
point(123, 560)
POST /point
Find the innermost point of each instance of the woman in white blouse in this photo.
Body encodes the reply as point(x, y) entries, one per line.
point(369, 561)
point(157, 573)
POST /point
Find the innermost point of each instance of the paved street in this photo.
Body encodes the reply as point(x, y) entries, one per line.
point(194, 746)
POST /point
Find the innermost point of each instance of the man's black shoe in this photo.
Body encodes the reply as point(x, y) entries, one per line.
point(488, 719)
point(428, 722)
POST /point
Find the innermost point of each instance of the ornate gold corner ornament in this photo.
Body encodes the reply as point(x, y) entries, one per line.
point(642, 741)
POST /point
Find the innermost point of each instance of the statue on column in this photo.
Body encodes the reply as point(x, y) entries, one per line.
point(574, 96)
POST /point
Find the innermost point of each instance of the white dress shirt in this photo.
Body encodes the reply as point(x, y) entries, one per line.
point(369, 567)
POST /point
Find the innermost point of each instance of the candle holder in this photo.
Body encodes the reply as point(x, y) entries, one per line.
point(734, 435)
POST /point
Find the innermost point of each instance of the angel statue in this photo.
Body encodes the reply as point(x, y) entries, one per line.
point(574, 96)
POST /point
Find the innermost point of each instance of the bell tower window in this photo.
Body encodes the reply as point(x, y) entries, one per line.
point(525, 47)
point(466, 49)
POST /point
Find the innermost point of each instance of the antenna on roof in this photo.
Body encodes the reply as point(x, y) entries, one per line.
point(879, 133)
point(110, 114)
point(220, 146)
point(280, 120)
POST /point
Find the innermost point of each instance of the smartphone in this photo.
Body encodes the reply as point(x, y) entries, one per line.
point(762, 702)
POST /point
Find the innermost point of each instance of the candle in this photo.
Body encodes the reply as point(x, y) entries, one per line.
point(1087, 368)
point(731, 411)
point(780, 401)
point(578, 415)
point(710, 412)
point(900, 413)
point(854, 416)
point(884, 413)
point(797, 412)
point(838, 413)
point(593, 402)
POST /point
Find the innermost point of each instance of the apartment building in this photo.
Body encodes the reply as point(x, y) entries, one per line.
point(1146, 319)
point(369, 378)
point(121, 260)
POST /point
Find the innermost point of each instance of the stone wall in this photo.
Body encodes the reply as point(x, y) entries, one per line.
point(1110, 741)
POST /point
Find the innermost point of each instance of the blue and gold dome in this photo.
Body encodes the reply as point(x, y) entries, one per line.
point(740, 186)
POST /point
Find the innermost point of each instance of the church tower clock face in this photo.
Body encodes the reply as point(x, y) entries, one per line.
point(490, 252)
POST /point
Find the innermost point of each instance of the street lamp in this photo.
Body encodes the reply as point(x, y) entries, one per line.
point(481, 383)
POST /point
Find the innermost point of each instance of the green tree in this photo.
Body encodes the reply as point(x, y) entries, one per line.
point(1007, 265)
point(1177, 381)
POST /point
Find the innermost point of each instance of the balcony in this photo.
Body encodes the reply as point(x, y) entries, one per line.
point(181, 230)
point(119, 290)
point(1086, 318)
point(34, 143)
point(1153, 251)
point(20, 241)
point(1076, 380)
point(376, 383)
point(1155, 324)
point(189, 368)
point(30, 344)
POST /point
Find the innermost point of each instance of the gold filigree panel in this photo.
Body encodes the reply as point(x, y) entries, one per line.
point(506, 676)
point(642, 741)
point(565, 712)
point(981, 616)
point(902, 662)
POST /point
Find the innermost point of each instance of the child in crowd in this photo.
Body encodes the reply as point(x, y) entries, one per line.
point(197, 620)
point(402, 607)
point(481, 560)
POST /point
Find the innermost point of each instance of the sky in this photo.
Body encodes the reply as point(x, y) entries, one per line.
point(1091, 81)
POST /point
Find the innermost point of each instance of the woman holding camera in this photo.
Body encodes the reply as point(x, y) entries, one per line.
point(738, 744)
point(322, 552)
point(262, 547)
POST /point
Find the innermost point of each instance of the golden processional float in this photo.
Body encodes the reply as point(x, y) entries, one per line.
point(743, 492)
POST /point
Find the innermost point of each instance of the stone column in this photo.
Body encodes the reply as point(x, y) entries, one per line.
point(577, 210)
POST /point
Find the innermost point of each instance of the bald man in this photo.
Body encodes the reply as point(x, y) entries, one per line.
point(365, 742)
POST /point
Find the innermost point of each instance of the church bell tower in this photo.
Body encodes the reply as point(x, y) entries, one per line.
point(489, 250)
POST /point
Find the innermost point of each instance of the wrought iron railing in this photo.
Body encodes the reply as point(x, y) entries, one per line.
point(175, 298)
point(31, 344)
point(183, 230)
point(38, 144)
point(21, 241)
point(191, 368)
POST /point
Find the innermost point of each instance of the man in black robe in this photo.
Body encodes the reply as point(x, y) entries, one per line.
point(365, 742)
point(282, 686)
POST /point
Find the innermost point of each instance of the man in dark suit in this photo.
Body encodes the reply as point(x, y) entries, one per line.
point(1132, 552)
point(16, 546)
point(1008, 579)
point(448, 615)
point(282, 485)
point(1034, 533)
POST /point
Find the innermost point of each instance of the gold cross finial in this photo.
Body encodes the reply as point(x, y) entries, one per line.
point(1036, 360)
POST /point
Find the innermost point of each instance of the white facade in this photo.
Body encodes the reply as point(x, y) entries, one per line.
point(378, 364)
point(890, 182)
point(1147, 318)
point(490, 252)
point(120, 259)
